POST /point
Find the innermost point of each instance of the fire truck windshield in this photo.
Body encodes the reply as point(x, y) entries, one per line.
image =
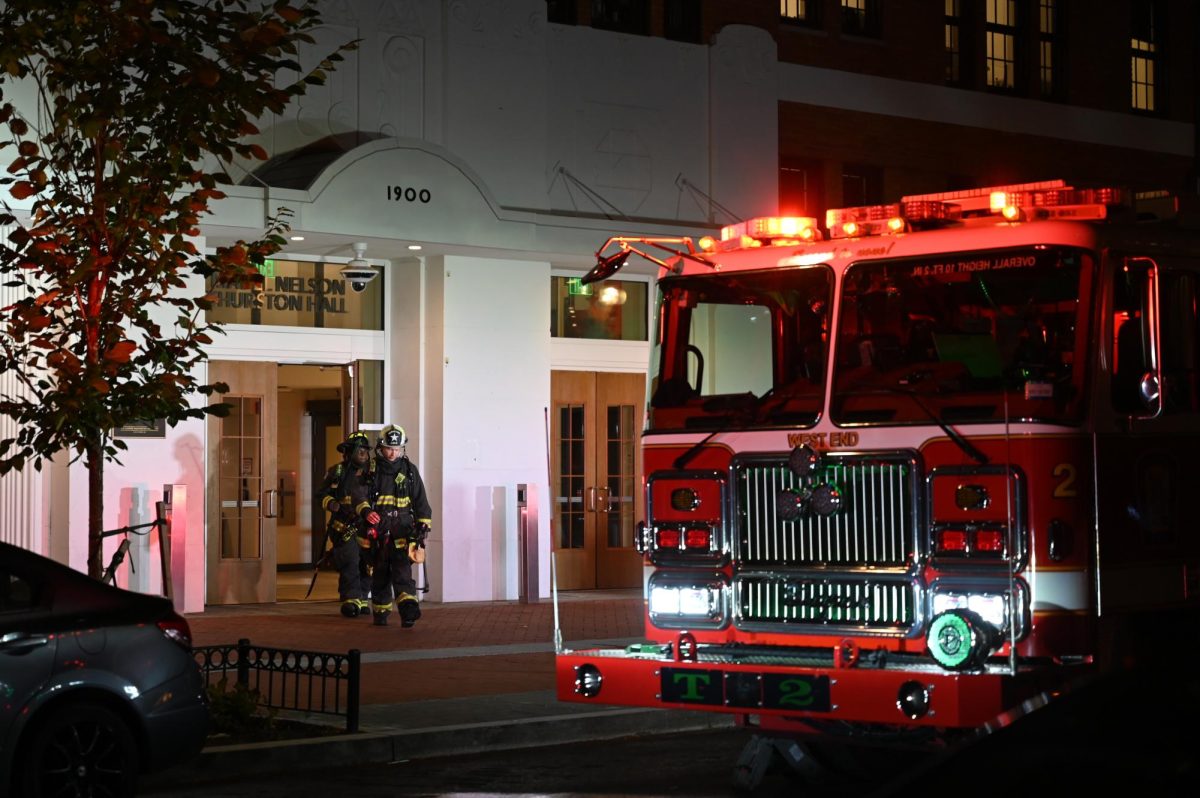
point(740, 350)
point(972, 336)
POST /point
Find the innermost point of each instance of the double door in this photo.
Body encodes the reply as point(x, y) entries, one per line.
point(596, 477)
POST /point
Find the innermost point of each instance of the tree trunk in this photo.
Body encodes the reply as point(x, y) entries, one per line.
point(94, 460)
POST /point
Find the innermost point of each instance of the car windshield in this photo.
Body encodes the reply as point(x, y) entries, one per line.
point(968, 337)
point(741, 350)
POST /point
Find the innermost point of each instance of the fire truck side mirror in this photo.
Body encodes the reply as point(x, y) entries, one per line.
point(1148, 390)
point(1137, 360)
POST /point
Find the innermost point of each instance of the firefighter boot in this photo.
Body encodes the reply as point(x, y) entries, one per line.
point(380, 618)
point(409, 611)
point(350, 608)
point(362, 606)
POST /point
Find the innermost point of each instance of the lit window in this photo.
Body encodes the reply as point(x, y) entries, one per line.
point(861, 17)
point(1049, 48)
point(1001, 30)
point(1145, 53)
point(953, 46)
point(803, 12)
point(613, 309)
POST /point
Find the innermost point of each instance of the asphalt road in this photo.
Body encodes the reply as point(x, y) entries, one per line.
point(699, 764)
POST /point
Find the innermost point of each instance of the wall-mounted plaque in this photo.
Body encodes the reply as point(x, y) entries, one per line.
point(153, 428)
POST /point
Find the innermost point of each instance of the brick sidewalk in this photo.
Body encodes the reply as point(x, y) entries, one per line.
point(317, 626)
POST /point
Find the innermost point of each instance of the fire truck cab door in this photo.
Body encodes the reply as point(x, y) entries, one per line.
point(1147, 434)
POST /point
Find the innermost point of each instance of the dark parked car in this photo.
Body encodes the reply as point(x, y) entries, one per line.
point(97, 684)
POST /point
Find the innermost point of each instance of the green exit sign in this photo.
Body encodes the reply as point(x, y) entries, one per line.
point(575, 287)
point(267, 268)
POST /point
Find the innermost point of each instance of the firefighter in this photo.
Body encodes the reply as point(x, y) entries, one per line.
point(398, 521)
point(337, 493)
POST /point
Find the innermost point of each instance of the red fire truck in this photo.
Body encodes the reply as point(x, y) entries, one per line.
point(917, 466)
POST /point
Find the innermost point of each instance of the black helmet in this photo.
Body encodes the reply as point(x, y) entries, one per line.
point(392, 435)
point(354, 441)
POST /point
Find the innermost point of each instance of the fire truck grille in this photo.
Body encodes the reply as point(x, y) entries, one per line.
point(874, 527)
point(873, 604)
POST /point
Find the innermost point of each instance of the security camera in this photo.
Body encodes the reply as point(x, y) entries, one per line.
point(358, 272)
point(358, 277)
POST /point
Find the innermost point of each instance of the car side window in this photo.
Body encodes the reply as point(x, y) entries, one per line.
point(17, 592)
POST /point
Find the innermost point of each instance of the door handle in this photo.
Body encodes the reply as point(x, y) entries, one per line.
point(270, 503)
point(590, 503)
point(605, 504)
point(20, 643)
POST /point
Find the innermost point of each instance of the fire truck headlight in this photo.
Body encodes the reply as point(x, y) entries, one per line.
point(588, 681)
point(664, 601)
point(696, 601)
point(685, 603)
point(959, 640)
point(992, 608)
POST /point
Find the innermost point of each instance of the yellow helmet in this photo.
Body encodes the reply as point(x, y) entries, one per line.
point(354, 440)
point(392, 435)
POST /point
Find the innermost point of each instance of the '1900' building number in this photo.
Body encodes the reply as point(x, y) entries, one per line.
point(409, 194)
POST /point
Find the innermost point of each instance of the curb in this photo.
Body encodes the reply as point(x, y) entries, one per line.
point(223, 763)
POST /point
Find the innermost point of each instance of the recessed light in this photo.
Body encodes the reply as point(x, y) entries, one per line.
point(297, 238)
point(414, 247)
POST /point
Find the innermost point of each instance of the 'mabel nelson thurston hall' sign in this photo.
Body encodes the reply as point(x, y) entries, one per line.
point(298, 293)
point(295, 294)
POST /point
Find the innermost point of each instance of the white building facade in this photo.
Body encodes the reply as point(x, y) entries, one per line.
point(479, 153)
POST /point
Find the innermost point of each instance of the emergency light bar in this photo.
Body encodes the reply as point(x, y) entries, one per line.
point(1051, 199)
point(773, 231)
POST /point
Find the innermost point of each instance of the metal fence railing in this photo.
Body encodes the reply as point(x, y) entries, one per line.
point(303, 681)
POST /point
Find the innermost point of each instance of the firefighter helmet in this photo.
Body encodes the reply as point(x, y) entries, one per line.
point(392, 435)
point(354, 440)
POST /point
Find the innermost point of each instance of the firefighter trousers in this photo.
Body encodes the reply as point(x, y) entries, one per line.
point(353, 582)
point(394, 578)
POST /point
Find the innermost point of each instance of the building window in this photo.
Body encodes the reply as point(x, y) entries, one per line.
point(861, 17)
point(862, 184)
point(613, 310)
point(681, 20)
point(1001, 33)
point(625, 16)
point(953, 46)
point(800, 188)
point(1050, 48)
point(800, 12)
point(560, 11)
point(1145, 55)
